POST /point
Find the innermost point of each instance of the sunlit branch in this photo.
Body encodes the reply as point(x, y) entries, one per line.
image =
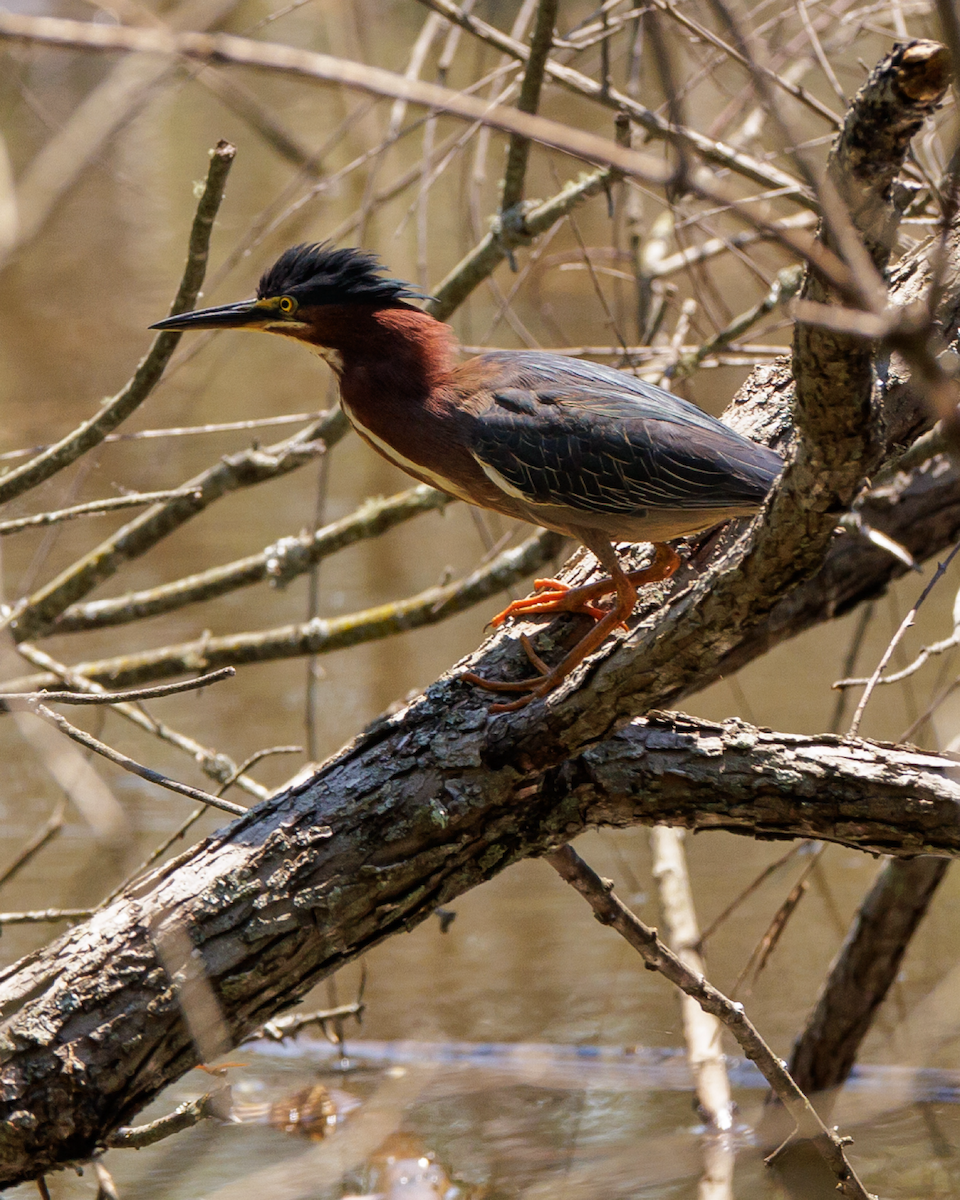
point(278, 563)
point(613, 912)
point(324, 635)
point(214, 764)
point(92, 431)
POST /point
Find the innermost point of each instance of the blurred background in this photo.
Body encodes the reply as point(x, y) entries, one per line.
point(100, 162)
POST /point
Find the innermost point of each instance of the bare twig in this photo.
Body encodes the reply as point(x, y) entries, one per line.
point(92, 509)
point(28, 700)
point(792, 89)
point(32, 616)
point(895, 641)
point(765, 947)
point(784, 289)
point(197, 813)
point(185, 1116)
point(287, 1027)
point(508, 233)
point(611, 911)
point(749, 890)
point(187, 431)
point(49, 830)
point(518, 149)
point(709, 149)
point(325, 634)
point(864, 970)
point(216, 765)
point(278, 563)
point(44, 916)
point(88, 741)
point(92, 431)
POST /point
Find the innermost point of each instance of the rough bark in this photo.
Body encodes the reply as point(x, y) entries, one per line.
point(93, 1028)
point(863, 971)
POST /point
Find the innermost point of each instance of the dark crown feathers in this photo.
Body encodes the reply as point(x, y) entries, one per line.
point(318, 273)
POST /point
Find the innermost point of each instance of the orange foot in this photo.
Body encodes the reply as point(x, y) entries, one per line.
point(551, 596)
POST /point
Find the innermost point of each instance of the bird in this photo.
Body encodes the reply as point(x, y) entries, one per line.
point(584, 449)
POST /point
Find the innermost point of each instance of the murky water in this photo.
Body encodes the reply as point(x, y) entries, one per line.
point(523, 963)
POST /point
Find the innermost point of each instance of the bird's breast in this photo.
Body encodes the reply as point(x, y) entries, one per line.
point(412, 464)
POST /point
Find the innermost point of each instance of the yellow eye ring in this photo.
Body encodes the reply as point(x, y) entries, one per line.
point(287, 304)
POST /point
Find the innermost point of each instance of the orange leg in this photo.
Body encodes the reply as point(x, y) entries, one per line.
point(557, 597)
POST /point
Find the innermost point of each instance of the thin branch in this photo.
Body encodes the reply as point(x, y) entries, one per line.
point(185, 1116)
point(373, 80)
point(278, 563)
point(864, 970)
point(518, 149)
point(760, 955)
point(756, 883)
point(46, 833)
point(32, 616)
point(106, 1188)
point(509, 231)
point(44, 916)
point(213, 763)
point(792, 89)
point(708, 149)
point(181, 830)
point(89, 742)
point(896, 639)
point(928, 652)
point(187, 431)
point(27, 700)
point(324, 635)
point(287, 1027)
point(611, 911)
point(785, 287)
point(91, 509)
point(92, 431)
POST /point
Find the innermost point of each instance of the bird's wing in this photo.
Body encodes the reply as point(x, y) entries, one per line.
point(563, 431)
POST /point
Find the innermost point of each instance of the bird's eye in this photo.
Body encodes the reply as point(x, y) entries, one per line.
point(287, 304)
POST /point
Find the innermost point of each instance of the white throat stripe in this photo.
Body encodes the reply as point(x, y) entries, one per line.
point(405, 464)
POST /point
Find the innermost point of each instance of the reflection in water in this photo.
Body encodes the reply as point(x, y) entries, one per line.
point(312, 1112)
point(469, 1121)
point(404, 1169)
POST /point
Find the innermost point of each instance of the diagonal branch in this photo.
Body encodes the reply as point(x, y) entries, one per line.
point(33, 615)
point(711, 151)
point(149, 371)
point(279, 563)
point(322, 635)
point(610, 910)
point(412, 815)
point(518, 150)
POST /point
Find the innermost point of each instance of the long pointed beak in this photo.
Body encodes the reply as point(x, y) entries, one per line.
point(226, 316)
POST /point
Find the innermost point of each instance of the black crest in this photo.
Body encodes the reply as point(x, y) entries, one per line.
point(321, 274)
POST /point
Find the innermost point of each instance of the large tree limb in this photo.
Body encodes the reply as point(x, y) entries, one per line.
point(321, 873)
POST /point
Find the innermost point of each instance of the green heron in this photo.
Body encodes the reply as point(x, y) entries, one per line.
point(577, 447)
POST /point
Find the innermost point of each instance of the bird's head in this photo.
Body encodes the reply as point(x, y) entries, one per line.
point(300, 294)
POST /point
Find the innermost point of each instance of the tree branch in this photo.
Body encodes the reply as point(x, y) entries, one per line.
point(33, 616)
point(147, 375)
point(416, 812)
point(610, 910)
point(280, 563)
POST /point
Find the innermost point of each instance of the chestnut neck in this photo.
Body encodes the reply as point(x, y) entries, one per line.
point(370, 344)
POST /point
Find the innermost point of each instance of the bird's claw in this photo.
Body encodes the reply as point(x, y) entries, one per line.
point(552, 596)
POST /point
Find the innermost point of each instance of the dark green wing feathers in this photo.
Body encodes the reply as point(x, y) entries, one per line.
point(565, 431)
